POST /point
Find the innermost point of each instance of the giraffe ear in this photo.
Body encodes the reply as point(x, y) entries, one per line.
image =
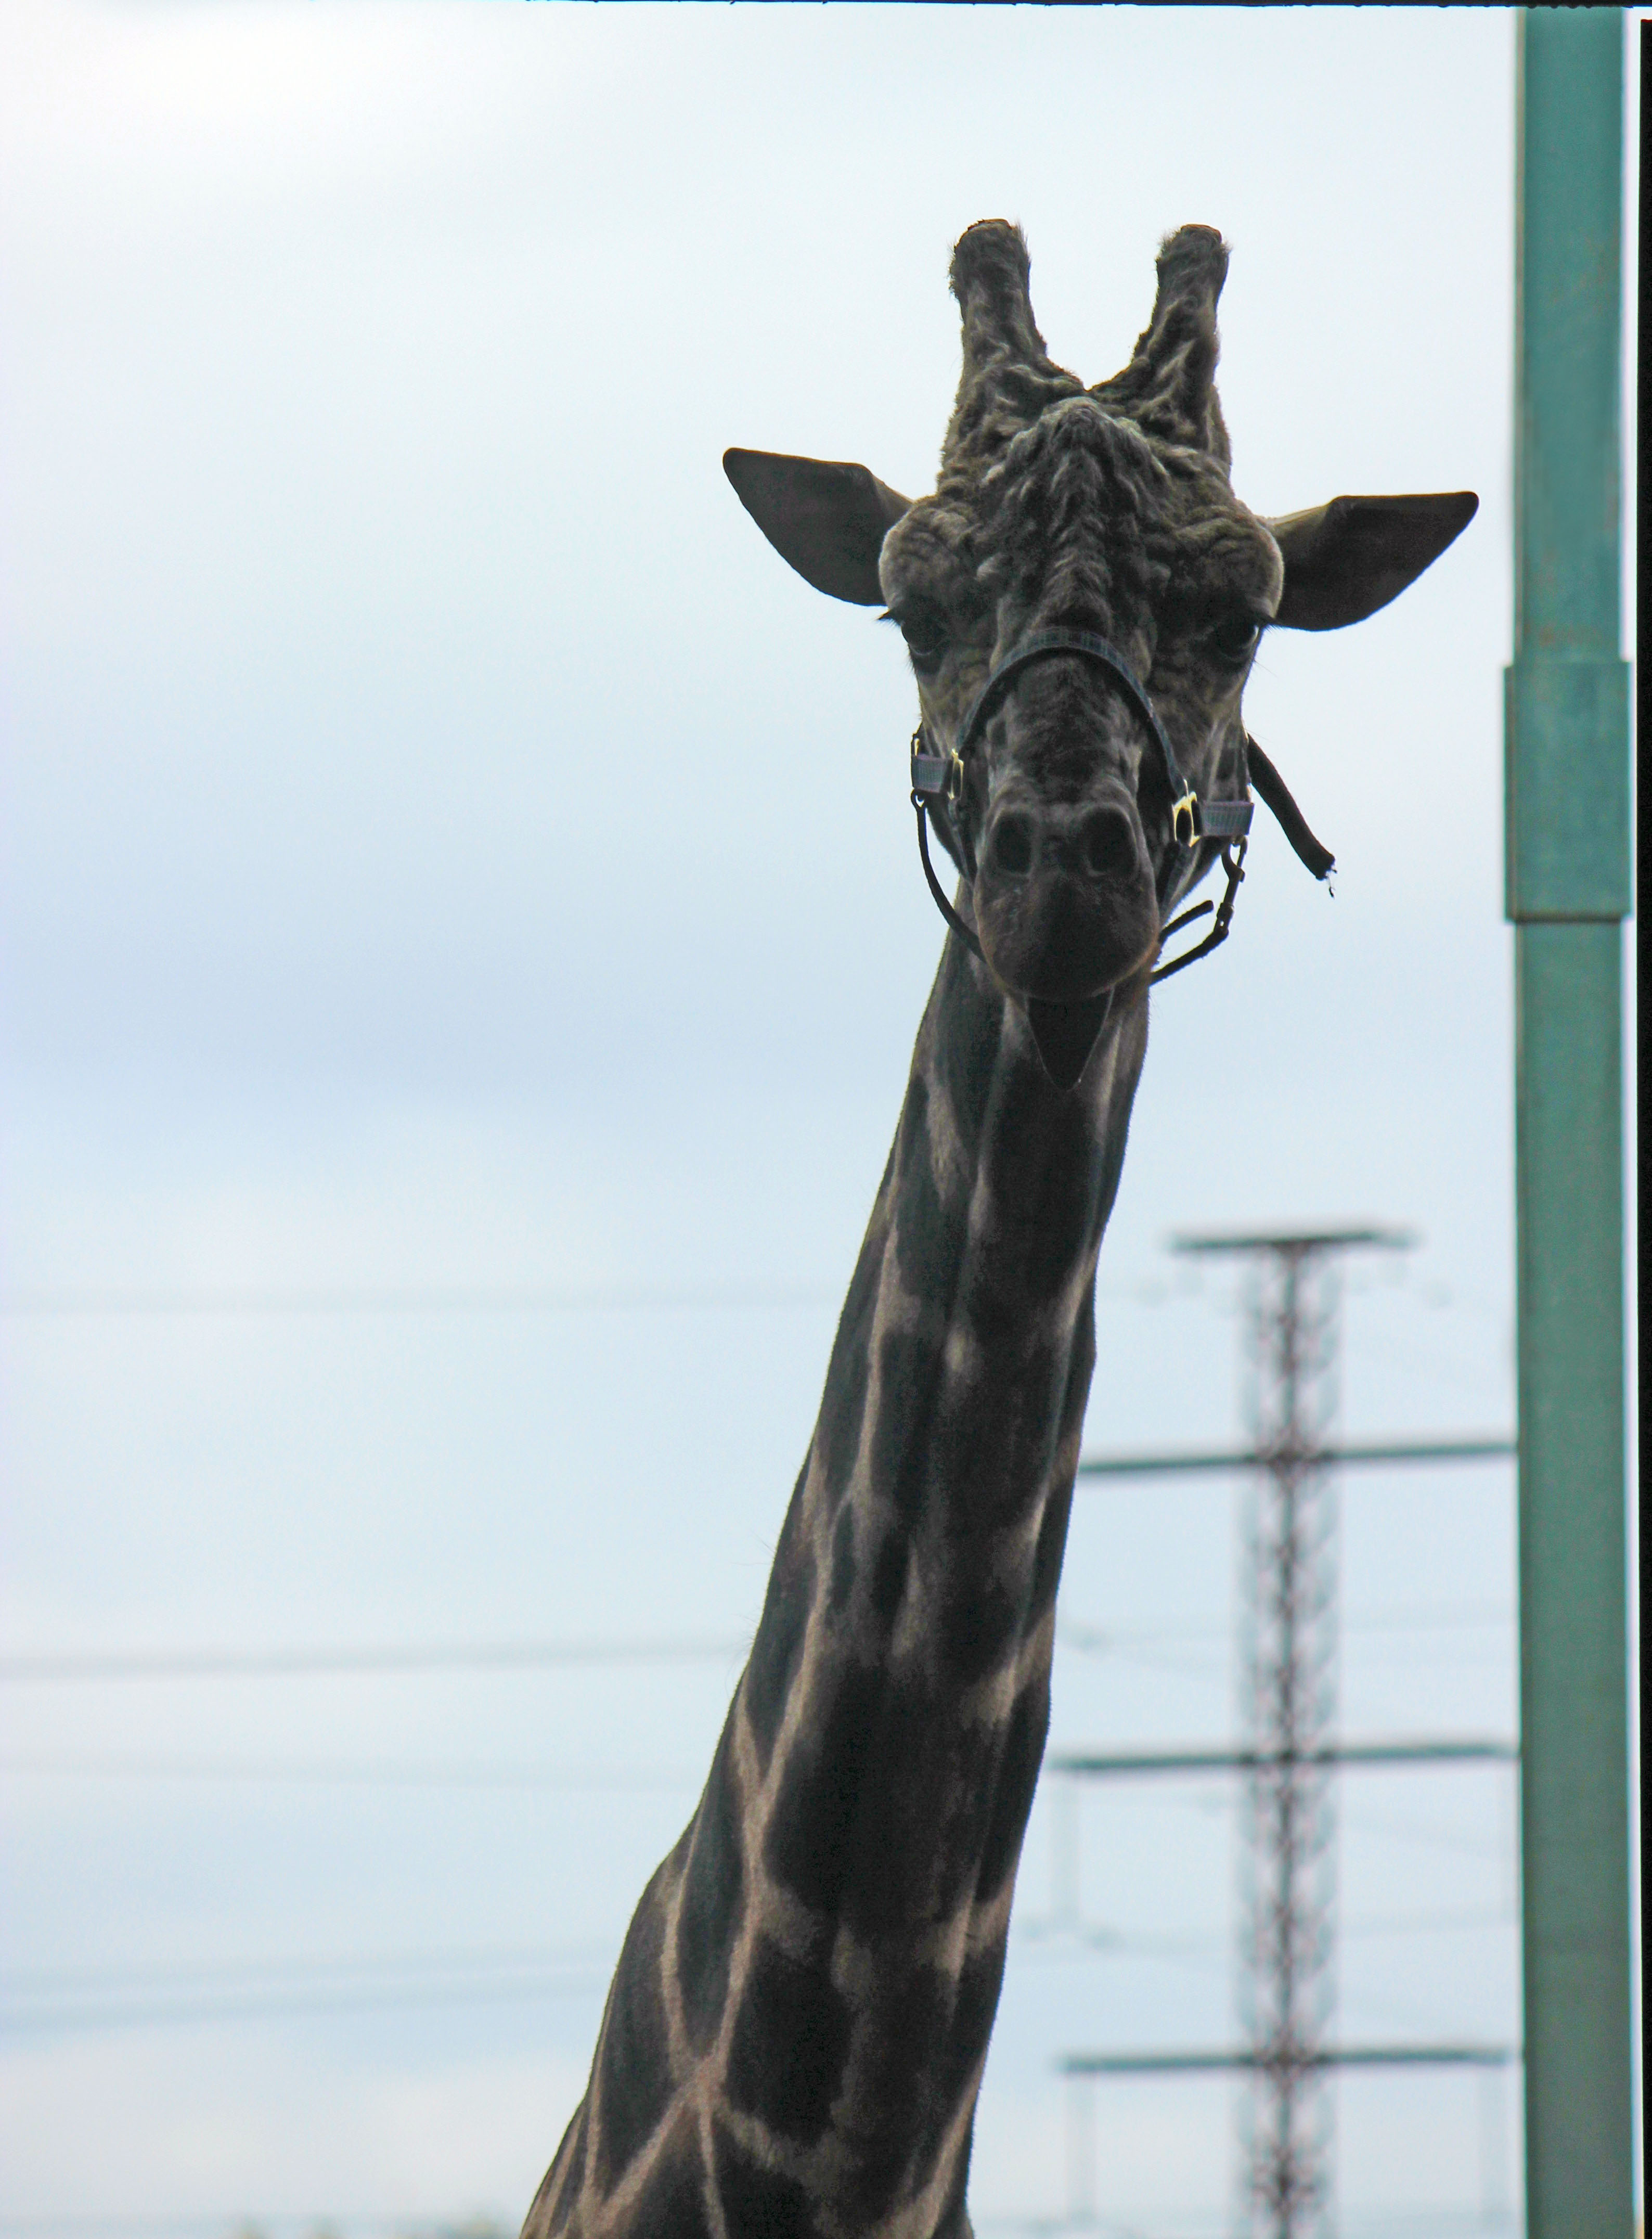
point(826, 518)
point(1345, 559)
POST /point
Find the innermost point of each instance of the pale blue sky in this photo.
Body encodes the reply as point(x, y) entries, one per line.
point(445, 848)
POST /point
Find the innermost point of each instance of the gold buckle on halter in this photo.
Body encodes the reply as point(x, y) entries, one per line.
point(1184, 819)
point(955, 775)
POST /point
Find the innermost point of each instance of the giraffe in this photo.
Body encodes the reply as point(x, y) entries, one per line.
point(795, 2035)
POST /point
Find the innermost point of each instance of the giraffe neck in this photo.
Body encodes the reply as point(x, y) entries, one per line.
point(796, 2034)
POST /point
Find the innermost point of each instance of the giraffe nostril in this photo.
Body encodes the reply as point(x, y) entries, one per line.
point(1012, 849)
point(1108, 845)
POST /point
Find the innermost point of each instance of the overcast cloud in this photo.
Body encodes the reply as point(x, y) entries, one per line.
point(446, 849)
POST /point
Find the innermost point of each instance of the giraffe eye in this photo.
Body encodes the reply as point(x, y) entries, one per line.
point(1235, 640)
point(925, 636)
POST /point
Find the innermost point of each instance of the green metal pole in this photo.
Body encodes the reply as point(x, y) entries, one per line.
point(1567, 817)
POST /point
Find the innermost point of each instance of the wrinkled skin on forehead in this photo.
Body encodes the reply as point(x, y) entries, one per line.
point(1085, 522)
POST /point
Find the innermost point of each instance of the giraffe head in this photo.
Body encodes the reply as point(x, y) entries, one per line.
point(1106, 511)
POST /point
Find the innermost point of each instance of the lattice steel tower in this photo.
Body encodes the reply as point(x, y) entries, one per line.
point(1288, 1755)
point(1288, 1710)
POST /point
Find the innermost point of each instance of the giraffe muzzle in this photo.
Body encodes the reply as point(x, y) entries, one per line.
point(1064, 899)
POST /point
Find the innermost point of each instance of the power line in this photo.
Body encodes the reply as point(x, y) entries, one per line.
point(241, 1979)
point(1402, 1617)
point(375, 1773)
point(393, 2223)
point(478, 1656)
point(243, 1976)
point(463, 1773)
point(1480, 1446)
point(455, 1299)
point(435, 1298)
point(32, 1981)
point(533, 1655)
point(216, 2223)
point(1367, 2056)
point(358, 1999)
point(1287, 1761)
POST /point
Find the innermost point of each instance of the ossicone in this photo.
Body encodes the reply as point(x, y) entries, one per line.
point(991, 276)
point(1168, 387)
point(1007, 378)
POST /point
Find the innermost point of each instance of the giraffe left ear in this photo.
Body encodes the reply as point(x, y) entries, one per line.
point(825, 517)
point(1345, 559)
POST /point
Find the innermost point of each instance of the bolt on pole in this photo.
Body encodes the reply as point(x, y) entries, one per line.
point(1567, 868)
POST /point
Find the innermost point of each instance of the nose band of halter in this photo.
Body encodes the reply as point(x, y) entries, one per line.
point(1190, 820)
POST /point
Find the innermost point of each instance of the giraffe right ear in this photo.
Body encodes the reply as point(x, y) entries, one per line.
point(825, 517)
point(1345, 559)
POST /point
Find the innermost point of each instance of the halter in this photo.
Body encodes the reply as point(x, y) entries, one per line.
point(936, 777)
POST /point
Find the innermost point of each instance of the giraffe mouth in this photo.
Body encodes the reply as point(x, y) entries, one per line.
point(1065, 1034)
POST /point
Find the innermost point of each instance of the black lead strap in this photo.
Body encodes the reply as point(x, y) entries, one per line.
point(1313, 853)
point(936, 777)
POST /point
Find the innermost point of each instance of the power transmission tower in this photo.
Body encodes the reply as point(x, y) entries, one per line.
point(1288, 1757)
point(1288, 1713)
